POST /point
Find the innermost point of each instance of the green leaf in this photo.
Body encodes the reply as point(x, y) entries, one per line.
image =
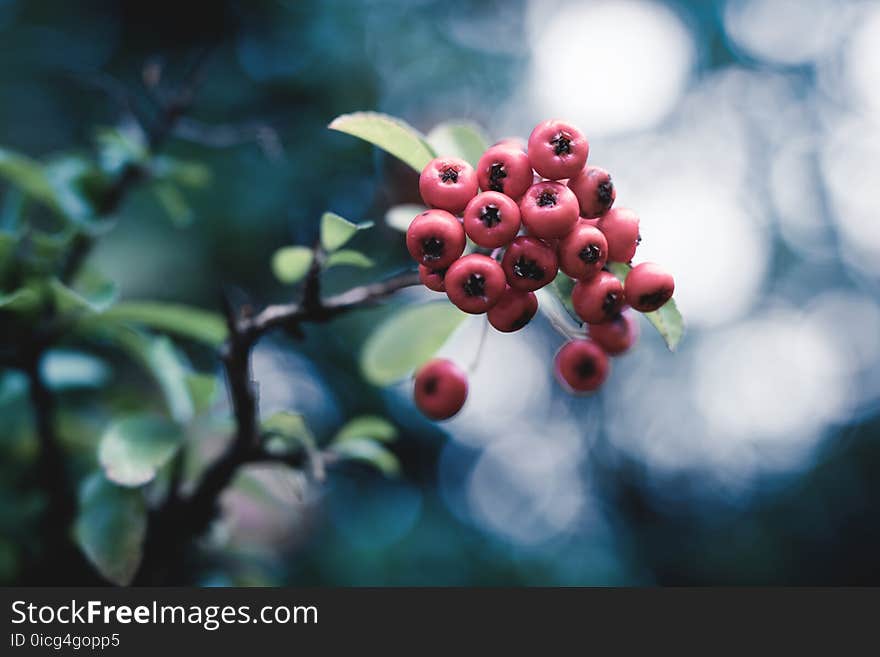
point(406, 340)
point(24, 299)
point(91, 291)
point(75, 181)
point(348, 257)
point(461, 139)
point(189, 174)
point(202, 390)
point(110, 527)
point(370, 452)
point(388, 133)
point(174, 204)
point(400, 217)
point(27, 175)
point(288, 430)
point(120, 147)
point(134, 448)
point(185, 321)
point(290, 264)
point(561, 287)
point(336, 230)
point(367, 426)
point(65, 369)
point(667, 319)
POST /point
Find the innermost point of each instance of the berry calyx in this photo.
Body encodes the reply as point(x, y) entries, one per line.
point(491, 219)
point(432, 278)
point(475, 283)
point(440, 389)
point(504, 168)
point(548, 209)
point(529, 264)
point(621, 229)
point(617, 335)
point(435, 239)
point(513, 311)
point(599, 299)
point(581, 366)
point(648, 286)
point(583, 252)
point(557, 149)
point(448, 183)
point(594, 191)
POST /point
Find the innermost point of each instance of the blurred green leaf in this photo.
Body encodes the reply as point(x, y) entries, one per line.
point(76, 183)
point(400, 217)
point(288, 431)
point(290, 264)
point(120, 147)
point(91, 291)
point(182, 172)
point(561, 288)
point(348, 257)
point(367, 426)
point(27, 175)
point(133, 449)
point(406, 340)
point(336, 230)
point(388, 133)
point(110, 527)
point(174, 204)
point(24, 299)
point(462, 139)
point(667, 320)
point(178, 319)
point(202, 390)
point(370, 452)
point(64, 369)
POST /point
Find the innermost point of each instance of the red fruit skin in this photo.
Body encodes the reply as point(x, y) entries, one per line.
point(440, 389)
point(581, 366)
point(441, 233)
point(599, 299)
point(513, 311)
point(618, 335)
point(504, 168)
point(432, 279)
point(621, 229)
point(529, 264)
point(594, 190)
point(583, 252)
point(548, 209)
point(448, 183)
point(551, 136)
point(648, 286)
point(485, 208)
point(475, 283)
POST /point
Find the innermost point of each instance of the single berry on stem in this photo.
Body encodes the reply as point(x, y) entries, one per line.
point(440, 389)
point(617, 335)
point(648, 286)
point(491, 219)
point(599, 299)
point(581, 366)
point(621, 229)
point(548, 209)
point(583, 252)
point(448, 183)
point(557, 149)
point(529, 264)
point(594, 190)
point(432, 278)
point(435, 239)
point(504, 168)
point(475, 283)
point(513, 311)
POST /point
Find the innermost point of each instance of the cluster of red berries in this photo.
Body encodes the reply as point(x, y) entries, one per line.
point(541, 209)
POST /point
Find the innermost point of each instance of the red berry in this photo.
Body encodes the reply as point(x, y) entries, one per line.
point(435, 239)
point(513, 311)
point(581, 366)
point(582, 253)
point(504, 168)
point(594, 190)
point(621, 228)
point(529, 264)
point(475, 283)
point(491, 219)
point(618, 335)
point(648, 287)
point(440, 389)
point(548, 209)
point(557, 149)
point(432, 278)
point(599, 299)
point(448, 183)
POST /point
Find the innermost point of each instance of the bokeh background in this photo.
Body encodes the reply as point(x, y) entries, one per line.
point(745, 132)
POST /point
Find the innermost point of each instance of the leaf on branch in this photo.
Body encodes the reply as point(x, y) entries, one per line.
point(91, 291)
point(290, 264)
point(110, 527)
point(173, 202)
point(392, 135)
point(185, 321)
point(400, 217)
point(667, 319)
point(337, 231)
point(202, 390)
point(134, 448)
point(462, 139)
point(65, 369)
point(406, 340)
point(120, 147)
point(28, 176)
point(24, 299)
point(561, 288)
point(348, 257)
point(288, 432)
point(369, 452)
point(367, 426)
point(189, 174)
